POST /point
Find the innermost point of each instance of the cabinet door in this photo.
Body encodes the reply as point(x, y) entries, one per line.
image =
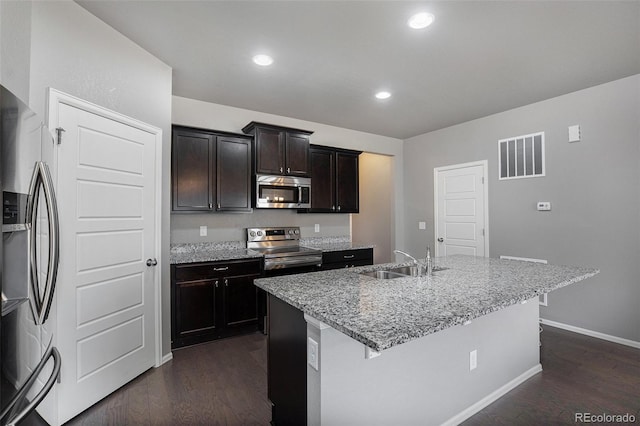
point(347, 258)
point(347, 195)
point(240, 301)
point(269, 151)
point(193, 183)
point(297, 154)
point(322, 180)
point(233, 169)
point(195, 310)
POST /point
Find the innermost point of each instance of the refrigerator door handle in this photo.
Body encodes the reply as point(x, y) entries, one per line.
point(41, 303)
point(22, 393)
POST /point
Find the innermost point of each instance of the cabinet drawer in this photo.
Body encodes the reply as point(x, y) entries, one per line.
point(350, 256)
point(203, 271)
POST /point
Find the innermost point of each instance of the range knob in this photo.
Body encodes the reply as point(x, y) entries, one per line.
point(297, 231)
point(252, 233)
point(290, 231)
point(259, 233)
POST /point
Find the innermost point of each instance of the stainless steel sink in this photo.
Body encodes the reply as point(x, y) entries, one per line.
point(384, 275)
point(411, 271)
point(398, 272)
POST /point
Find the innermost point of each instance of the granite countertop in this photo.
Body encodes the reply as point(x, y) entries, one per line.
point(209, 252)
point(385, 313)
point(234, 250)
point(338, 246)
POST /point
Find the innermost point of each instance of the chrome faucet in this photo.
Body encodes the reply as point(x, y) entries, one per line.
point(415, 261)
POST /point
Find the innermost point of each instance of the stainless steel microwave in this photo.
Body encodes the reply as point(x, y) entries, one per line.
point(283, 192)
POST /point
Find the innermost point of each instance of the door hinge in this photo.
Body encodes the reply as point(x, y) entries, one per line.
point(483, 232)
point(59, 131)
point(483, 180)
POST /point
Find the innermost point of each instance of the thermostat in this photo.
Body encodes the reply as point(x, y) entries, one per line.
point(544, 206)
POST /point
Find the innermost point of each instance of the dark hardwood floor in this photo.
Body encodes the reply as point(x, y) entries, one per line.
point(224, 383)
point(217, 383)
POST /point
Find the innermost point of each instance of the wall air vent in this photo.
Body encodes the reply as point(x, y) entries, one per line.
point(521, 156)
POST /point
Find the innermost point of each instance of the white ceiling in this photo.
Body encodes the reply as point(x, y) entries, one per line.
point(478, 58)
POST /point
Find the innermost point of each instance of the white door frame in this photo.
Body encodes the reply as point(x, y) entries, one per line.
point(55, 98)
point(436, 175)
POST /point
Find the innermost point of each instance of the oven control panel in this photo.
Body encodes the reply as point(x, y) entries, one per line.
point(273, 234)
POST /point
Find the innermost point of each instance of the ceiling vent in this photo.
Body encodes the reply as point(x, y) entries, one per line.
point(521, 156)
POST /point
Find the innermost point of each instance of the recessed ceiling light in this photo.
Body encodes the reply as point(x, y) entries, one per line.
point(263, 60)
point(383, 95)
point(420, 20)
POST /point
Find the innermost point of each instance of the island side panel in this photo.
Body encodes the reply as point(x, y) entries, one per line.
point(424, 381)
point(286, 363)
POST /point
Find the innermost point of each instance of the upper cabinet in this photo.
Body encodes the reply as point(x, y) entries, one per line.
point(210, 170)
point(334, 180)
point(279, 150)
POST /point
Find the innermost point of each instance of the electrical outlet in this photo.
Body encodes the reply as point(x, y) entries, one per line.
point(203, 231)
point(317, 227)
point(312, 353)
point(473, 359)
point(422, 225)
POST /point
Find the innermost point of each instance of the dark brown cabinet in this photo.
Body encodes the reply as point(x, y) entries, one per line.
point(210, 171)
point(212, 300)
point(334, 180)
point(347, 258)
point(279, 150)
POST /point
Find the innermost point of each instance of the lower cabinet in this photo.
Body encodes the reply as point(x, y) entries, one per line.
point(347, 258)
point(213, 300)
point(286, 364)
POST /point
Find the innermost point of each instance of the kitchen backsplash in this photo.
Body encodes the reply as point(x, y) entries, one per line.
point(224, 227)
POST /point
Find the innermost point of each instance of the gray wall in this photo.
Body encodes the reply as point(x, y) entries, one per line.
point(15, 47)
point(69, 49)
point(593, 187)
point(375, 221)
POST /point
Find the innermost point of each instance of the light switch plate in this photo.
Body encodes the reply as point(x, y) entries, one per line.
point(203, 231)
point(316, 228)
point(574, 133)
point(422, 225)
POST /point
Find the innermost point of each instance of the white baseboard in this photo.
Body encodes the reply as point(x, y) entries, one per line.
point(492, 397)
point(591, 333)
point(167, 357)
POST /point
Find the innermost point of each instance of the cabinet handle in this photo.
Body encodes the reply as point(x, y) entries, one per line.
point(338, 208)
point(351, 256)
point(210, 205)
point(288, 169)
point(218, 206)
point(221, 269)
point(281, 170)
point(217, 283)
point(333, 208)
point(226, 282)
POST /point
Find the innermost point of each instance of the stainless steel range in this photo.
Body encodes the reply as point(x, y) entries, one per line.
point(282, 251)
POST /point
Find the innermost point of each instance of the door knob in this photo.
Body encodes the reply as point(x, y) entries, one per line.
point(152, 262)
point(440, 240)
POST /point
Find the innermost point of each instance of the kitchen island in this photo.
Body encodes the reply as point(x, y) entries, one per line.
point(400, 351)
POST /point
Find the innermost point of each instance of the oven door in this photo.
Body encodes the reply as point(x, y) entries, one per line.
point(282, 192)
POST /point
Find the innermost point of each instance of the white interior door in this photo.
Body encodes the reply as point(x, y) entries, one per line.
point(106, 312)
point(460, 204)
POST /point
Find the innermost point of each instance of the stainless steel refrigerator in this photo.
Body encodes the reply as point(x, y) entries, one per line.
point(29, 366)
